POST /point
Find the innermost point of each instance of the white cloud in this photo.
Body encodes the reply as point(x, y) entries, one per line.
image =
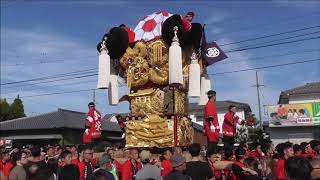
point(28, 46)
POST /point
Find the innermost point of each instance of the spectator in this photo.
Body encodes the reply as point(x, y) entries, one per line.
point(297, 150)
point(6, 163)
point(69, 172)
point(298, 168)
point(228, 154)
point(285, 151)
point(86, 167)
point(148, 170)
point(119, 161)
point(307, 151)
point(126, 154)
point(177, 151)
point(18, 172)
point(42, 172)
point(187, 155)
point(257, 153)
point(34, 162)
point(315, 145)
point(178, 164)
point(100, 175)
point(68, 148)
point(196, 169)
point(110, 152)
point(132, 166)
point(315, 174)
point(58, 151)
point(238, 165)
point(106, 167)
point(165, 163)
point(64, 158)
point(251, 166)
point(74, 155)
point(267, 149)
point(53, 165)
point(50, 152)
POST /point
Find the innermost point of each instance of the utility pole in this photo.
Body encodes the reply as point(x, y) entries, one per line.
point(94, 96)
point(258, 94)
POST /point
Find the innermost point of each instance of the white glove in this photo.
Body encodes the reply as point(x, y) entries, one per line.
point(87, 132)
point(123, 135)
point(212, 128)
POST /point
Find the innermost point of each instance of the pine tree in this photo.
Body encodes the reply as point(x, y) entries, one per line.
point(4, 110)
point(17, 109)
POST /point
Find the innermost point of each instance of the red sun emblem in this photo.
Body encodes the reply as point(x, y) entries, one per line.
point(149, 25)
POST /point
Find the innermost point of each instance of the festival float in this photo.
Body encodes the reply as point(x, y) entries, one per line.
point(162, 65)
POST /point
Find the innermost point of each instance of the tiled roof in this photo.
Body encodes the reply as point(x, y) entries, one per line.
point(59, 119)
point(309, 88)
point(221, 105)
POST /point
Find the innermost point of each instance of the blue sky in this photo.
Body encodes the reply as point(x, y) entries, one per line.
point(37, 31)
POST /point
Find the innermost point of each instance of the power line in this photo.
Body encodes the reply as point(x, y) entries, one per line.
point(265, 67)
point(49, 94)
point(54, 76)
point(274, 55)
point(259, 26)
point(55, 85)
point(249, 69)
point(291, 37)
point(57, 80)
point(269, 45)
point(47, 62)
point(270, 35)
point(120, 84)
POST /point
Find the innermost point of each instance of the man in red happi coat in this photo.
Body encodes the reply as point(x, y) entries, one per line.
point(211, 123)
point(93, 125)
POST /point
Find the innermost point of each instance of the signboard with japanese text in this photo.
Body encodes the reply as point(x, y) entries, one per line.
point(294, 115)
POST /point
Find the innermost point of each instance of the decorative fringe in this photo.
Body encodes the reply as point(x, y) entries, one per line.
point(205, 87)
point(194, 77)
point(113, 90)
point(104, 68)
point(175, 60)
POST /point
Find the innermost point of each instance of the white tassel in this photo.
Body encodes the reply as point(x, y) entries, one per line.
point(113, 90)
point(205, 87)
point(194, 77)
point(104, 69)
point(175, 60)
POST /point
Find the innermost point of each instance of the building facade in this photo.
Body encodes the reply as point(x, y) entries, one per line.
point(306, 94)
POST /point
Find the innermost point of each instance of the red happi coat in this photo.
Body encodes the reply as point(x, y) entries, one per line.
point(94, 122)
point(229, 123)
point(210, 110)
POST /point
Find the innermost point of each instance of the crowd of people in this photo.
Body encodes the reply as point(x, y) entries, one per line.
point(260, 161)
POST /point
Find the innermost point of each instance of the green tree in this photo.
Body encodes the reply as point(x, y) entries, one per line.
point(4, 110)
point(17, 109)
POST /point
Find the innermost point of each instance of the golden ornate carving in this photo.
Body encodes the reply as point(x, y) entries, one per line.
point(148, 101)
point(138, 72)
point(185, 132)
point(180, 102)
point(152, 131)
point(158, 53)
point(146, 62)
